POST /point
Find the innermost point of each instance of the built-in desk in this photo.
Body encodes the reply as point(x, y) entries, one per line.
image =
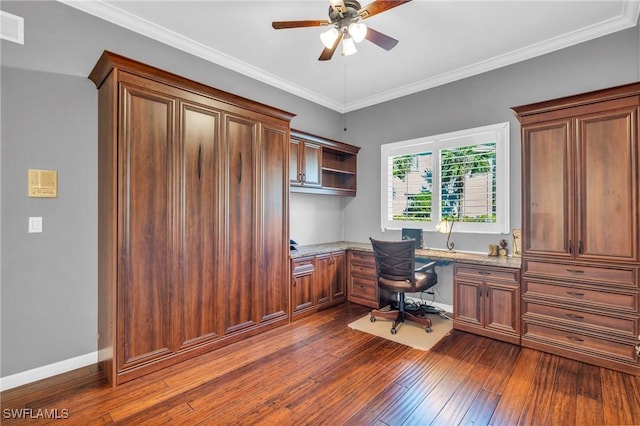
point(486, 289)
point(443, 255)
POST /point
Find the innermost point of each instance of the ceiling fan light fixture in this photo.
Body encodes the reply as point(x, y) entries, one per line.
point(348, 47)
point(329, 37)
point(357, 31)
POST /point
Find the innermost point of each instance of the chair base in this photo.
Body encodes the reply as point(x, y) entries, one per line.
point(399, 316)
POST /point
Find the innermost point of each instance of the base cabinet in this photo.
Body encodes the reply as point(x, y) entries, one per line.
point(317, 282)
point(362, 281)
point(487, 301)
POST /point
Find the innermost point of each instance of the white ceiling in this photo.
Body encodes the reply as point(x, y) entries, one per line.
point(440, 40)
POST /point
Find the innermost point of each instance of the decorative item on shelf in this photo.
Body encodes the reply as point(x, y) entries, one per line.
point(493, 250)
point(503, 248)
point(416, 234)
point(517, 242)
point(445, 227)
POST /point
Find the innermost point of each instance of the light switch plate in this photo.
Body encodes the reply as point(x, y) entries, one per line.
point(35, 224)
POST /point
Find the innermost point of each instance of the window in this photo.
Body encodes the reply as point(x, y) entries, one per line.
point(461, 176)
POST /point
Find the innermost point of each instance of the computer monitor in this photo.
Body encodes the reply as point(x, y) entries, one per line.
point(416, 234)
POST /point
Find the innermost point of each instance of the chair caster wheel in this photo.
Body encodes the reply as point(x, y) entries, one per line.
point(372, 319)
point(394, 331)
point(427, 329)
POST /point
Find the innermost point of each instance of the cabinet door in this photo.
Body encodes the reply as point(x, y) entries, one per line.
point(295, 160)
point(146, 251)
point(608, 186)
point(468, 306)
point(324, 278)
point(273, 222)
point(312, 169)
point(339, 277)
point(548, 189)
point(240, 279)
point(199, 289)
point(302, 285)
point(501, 309)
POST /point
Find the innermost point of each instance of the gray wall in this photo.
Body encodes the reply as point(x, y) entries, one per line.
point(48, 281)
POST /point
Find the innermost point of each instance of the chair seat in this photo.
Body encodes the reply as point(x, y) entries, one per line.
point(423, 282)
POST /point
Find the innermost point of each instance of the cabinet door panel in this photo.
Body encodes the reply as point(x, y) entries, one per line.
point(467, 302)
point(548, 189)
point(240, 250)
point(312, 164)
point(146, 217)
point(324, 273)
point(199, 288)
point(338, 282)
point(294, 162)
point(607, 173)
point(502, 301)
point(274, 266)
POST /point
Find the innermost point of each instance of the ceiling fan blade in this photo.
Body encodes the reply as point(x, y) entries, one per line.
point(327, 53)
point(379, 6)
point(279, 25)
point(382, 40)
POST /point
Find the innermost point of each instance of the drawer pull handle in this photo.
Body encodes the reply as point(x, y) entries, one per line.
point(484, 272)
point(575, 339)
point(573, 293)
point(574, 316)
point(575, 271)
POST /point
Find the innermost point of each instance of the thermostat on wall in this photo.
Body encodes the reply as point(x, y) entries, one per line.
point(43, 183)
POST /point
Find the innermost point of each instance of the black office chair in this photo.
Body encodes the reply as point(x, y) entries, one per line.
point(395, 268)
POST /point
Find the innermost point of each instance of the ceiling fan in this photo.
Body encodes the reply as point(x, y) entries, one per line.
point(345, 18)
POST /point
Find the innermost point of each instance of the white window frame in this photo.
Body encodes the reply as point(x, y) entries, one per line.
point(498, 133)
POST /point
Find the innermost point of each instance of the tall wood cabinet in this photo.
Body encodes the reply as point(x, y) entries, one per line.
point(193, 217)
point(580, 219)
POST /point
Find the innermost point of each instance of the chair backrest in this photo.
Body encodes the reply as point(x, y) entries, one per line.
point(395, 260)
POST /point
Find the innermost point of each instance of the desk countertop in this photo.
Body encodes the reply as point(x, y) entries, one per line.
point(459, 257)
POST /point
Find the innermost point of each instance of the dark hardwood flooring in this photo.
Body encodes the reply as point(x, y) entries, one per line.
point(319, 371)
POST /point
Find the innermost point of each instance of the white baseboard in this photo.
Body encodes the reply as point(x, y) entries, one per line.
point(45, 371)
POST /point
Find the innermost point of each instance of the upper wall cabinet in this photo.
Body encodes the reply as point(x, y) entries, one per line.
point(322, 166)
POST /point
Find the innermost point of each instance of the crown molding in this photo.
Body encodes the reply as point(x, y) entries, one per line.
point(627, 19)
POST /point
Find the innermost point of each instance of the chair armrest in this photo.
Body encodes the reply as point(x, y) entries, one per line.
point(429, 267)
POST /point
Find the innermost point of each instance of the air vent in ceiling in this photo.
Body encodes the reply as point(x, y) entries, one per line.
point(11, 27)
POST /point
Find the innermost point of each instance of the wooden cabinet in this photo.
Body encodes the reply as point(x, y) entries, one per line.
point(331, 279)
point(192, 223)
point(487, 301)
point(304, 163)
point(322, 166)
point(302, 286)
point(580, 237)
point(318, 282)
point(362, 281)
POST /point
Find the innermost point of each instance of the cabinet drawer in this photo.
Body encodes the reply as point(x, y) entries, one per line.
point(365, 270)
point(581, 342)
point(616, 276)
point(625, 325)
point(602, 297)
point(364, 258)
point(487, 273)
point(364, 288)
point(302, 266)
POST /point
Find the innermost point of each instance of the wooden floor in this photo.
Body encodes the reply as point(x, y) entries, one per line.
point(319, 371)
